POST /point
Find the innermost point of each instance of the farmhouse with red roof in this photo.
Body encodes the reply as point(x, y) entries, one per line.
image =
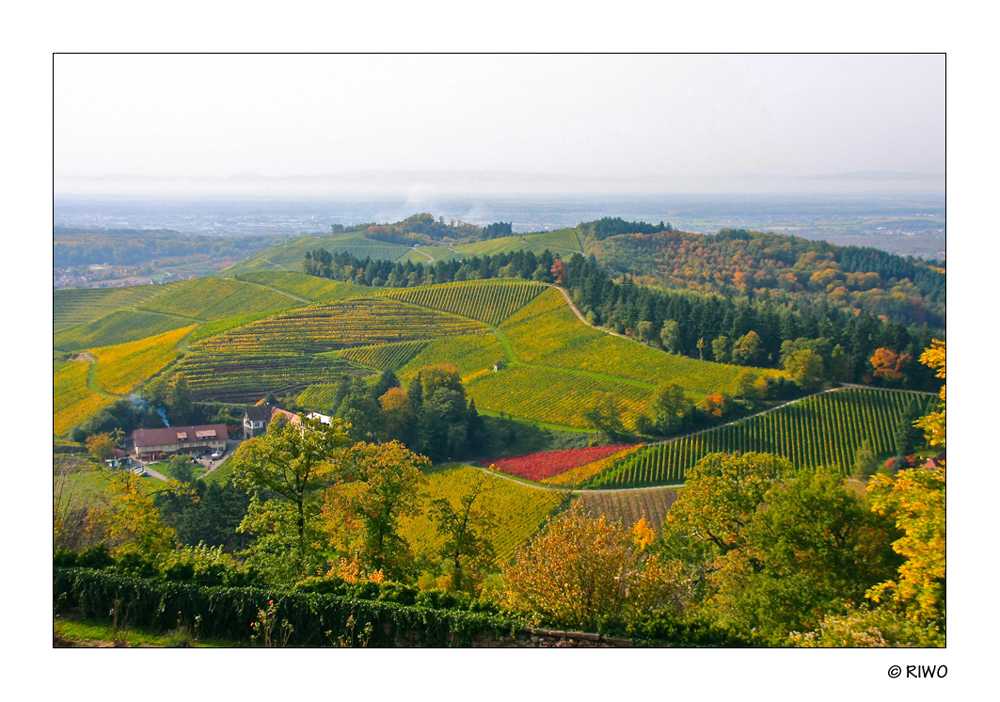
point(151, 442)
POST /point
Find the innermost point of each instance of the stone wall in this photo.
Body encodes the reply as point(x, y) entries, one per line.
point(548, 638)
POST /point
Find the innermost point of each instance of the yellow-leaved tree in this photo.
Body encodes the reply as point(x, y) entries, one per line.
point(910, 608)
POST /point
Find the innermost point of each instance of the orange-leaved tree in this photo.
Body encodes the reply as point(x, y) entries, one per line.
point(559, 271)
point(590, 574)
point(888, 364)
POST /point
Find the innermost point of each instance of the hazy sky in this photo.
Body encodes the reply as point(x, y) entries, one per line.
point(623, 117)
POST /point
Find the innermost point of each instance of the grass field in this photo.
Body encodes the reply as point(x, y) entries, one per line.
point(519, 510)
point(73, 401)
point(823, 430)
point(123, 367)
point(561, 241)
point(118, 328)
point(217, 298)
point(307, 287)
point(79, 306)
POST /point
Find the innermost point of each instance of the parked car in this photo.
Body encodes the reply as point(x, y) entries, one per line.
point(217, 454)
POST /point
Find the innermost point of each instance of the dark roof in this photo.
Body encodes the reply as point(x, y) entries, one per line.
point(258, 413)
point(169, 435)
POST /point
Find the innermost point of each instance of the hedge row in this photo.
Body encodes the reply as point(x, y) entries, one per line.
point(228, 612)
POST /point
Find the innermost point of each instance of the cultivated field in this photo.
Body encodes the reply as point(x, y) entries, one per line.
point(825, 430)
point(72, 400)
point(124, 367)
point(217, 298)
point(118, 328)
point(79, 306)
point(519, 510)
point(489, 301)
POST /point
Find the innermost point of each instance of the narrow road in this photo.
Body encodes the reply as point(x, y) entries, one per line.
point(583, 319)
point(552, 488)
point(280, 292)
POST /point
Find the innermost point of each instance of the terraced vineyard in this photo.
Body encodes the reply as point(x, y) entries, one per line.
point(123, 367)
point(218, 298)
point(384, 356)
point(520, 511)
point(80, 306)
point(490, 301)
point(471, 354)
point(823, 430)
point(72, 400)
point(246, 377)
point(117, 328)
point(317, 397)
point(355, 322)
point(223, 325)
point(552, 396)
point(307, 287)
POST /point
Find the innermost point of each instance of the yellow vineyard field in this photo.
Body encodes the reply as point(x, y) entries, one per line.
point(73, 401)
point(123, 367)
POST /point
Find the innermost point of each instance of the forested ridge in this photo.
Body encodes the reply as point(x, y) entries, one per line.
point(779, 268)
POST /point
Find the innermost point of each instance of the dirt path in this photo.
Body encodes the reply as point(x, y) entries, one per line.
point(280, 292)
point(583, 319)
point(552, 488)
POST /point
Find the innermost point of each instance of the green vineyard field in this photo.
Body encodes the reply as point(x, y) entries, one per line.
point(384, 356)
point(471, 354)
point(490, 301)
point(307, 287)
point(551, 395)
point(217, 298)
point(520, 510)
point(823, 430)
point(547, 332)
point(317, 398)
point(118, 328)
point(230, 377)
point(71, 307)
